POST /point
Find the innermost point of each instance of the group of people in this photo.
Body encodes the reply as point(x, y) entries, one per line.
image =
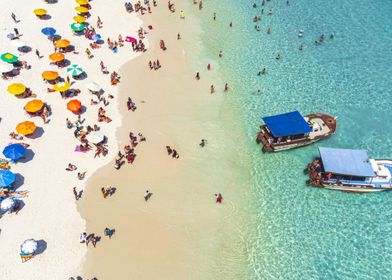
point(155, 65)
point(172, 152)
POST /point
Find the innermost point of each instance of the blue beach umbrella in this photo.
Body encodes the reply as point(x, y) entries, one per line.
point(48, 31)
point(14, 151)
point(96, 37)
point(6, 178)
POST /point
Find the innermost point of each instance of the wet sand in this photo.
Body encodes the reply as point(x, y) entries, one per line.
point(180, 233)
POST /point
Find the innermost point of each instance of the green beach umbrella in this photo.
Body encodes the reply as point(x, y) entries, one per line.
point(75, 70)
point(77, 26)
point(9, 57)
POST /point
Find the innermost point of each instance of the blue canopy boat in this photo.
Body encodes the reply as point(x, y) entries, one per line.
point(350, 171)
point(292, 130)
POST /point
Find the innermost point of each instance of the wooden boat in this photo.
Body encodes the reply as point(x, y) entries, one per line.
point(350, 171)
point(292, 130)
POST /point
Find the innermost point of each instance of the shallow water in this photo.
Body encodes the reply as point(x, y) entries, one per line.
point(299, 232)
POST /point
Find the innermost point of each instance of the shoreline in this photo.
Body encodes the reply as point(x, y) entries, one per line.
point(178, 111)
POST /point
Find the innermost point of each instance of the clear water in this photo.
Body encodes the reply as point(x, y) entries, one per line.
point(299, 232)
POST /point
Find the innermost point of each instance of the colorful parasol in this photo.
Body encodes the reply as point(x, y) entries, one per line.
point(5, 68)
point(74, 105)
point(40, 12)
point(75, 70)
point(57, 56)
point(82, 2)
point(6, 178)
point(7, 204)
point(79, 19)
point(61, 87)
point(26, 128)
point(14, 151)
point(62, 43)
point(29, 246)
point(48, 31)
point(9, 57)
point(50, 75)
point(81, 10)
point(77, 26)
point(34, 106)
point(16, 88)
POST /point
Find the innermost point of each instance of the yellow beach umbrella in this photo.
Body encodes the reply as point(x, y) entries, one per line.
point(62, 43)
point(81, 9)
point(40, 12)
point(61, 87)
point(16, 88)
point(79, 19)
point(50, 75)
point(26, 128)
point(34, 106)
point(82, 2)
point(57, 56)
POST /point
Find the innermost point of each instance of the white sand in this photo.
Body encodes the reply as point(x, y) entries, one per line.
point(50, 212)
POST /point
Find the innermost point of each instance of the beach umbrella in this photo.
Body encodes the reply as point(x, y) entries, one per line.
point(40, 12)
point(57, 56)
point(5, 68)
point(48, 31)
point(96, 37)
point(130, 39)
point(75, 70)
point(62, 43)
point(34, 106)
point(9, 57)
point(26, 128)
point(7, 204)
point(29, 246)
point(81, 10)
point(50, 75)
point(14, 151)
point(79, 19)
point(16, 88)
point(77, 26)
point(82, 2)
point(18, 43)
point(74, 105)
point(95, 137)
point(6, 178)
point(93, 87)
point(62, 86)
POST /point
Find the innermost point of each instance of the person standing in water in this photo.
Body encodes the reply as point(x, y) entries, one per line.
point(226, 87)
point(214, 17)
point(212, 89)
point(197, 76)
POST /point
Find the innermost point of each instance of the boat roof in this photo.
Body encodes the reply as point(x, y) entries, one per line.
point(287, 124)
point(346, 162)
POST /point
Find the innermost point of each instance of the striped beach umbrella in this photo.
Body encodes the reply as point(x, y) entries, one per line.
point(14, 151)
point(6, 178)
point(77, 26)
point(75, 70)
point(9, 57)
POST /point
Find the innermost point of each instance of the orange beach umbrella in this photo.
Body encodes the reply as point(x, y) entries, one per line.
point(79, 19)
point(81, 9)
point(34, 106)
point(74, 105)
point(50, 75)
point(57, 56)
point(26, 128)
point(16, 88)
point(61, 87)
point(40, 12)
point(62, 43)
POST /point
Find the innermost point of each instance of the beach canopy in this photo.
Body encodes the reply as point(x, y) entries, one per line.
point(95, 137)
point(26, 128)
point(14, 151)
point(7, 204)
point(57, 56)
point(81, 10)
point(63, 43)
point(62, 86)
point(50, 75)
point(92, 86)
point(79, 19)
point(9, 57)
point(16, 88)
point(74, 105)
point(77, 26)
point(6, 178)
point(346, 162)
point(75, 70)
point(40, 12)
point(82, 2)
point(34, 106)
point(5, 68)
point(29, 246)
point(48, 31)
point(288, 124)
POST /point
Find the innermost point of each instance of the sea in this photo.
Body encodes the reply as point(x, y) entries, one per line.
point(295, 231)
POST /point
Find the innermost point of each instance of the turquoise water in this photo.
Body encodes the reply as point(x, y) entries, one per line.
point(299, 232)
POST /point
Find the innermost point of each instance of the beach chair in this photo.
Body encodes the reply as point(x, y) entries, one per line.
point(26, 257)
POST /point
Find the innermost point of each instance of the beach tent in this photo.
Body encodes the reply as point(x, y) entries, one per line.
point(6, 178)
point(16, 88)
point(94, 87)
point(62, 86)
point(34, 106)
point(26, 128)
point(79, 19)
point(50, 75)
point(81, 10)
point(48, 31)
point(95, 137)
point(7, 204)
point(9, 57)
point(57, 56)
point(77, 26)
point(75, 70)
point(5, 68)
point(62, 43)
point(29, 246)
point(74, 105)
point(14, 151)
point(40, 12)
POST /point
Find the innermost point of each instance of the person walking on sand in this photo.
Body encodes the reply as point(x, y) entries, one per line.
point(88, 53)
point(14, 18)
point(197, 76)
point(203, 143)
point(147, 195)
point(75, 193)
point(104, 192)
point(38, 54)
point(178, 36)
point(108, 232)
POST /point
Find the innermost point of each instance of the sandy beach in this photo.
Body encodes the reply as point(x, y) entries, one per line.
point(180, 233)
point(50, 214)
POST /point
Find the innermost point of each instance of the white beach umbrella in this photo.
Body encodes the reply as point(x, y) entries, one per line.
point(4, 68)
point(7, 204)
point(29, 246)
point(93, 86)
point(95, 137)
point(18, 44)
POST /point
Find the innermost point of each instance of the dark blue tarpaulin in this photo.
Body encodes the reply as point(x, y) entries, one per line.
point(288, 124)
point(346, 162)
